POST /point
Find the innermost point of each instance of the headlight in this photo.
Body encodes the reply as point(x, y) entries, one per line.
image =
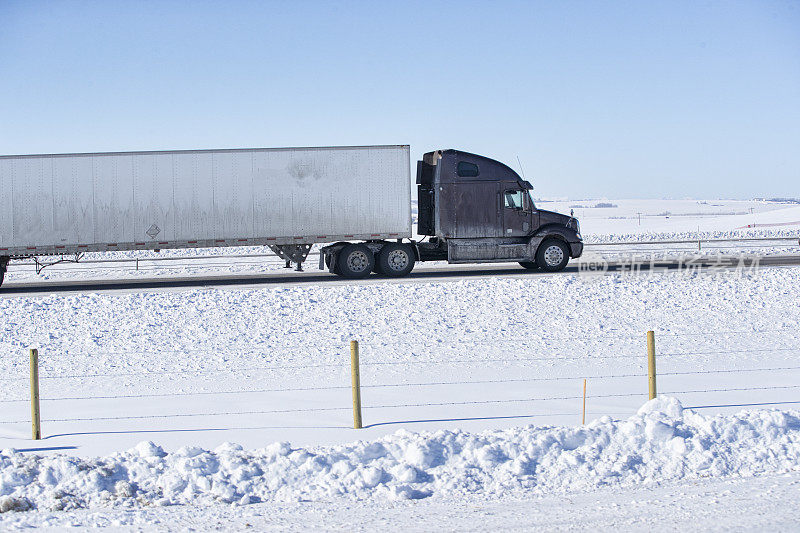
point(574, 224)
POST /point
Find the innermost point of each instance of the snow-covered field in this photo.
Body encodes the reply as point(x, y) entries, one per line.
point(472, 404)
point(650, 219)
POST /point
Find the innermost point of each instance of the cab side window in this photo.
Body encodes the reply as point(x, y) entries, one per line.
point(515, 199)
point(467, 170)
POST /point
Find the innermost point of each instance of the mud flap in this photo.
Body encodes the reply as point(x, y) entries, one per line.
point(3, 268)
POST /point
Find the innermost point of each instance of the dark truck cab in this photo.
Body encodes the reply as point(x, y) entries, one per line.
point(473, 210)
point(478, 210)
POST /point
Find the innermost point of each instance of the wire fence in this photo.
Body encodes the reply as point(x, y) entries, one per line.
point(448, 362)
point(488, 338)
point(412, 384)
point(634, 352)
point(410, 351)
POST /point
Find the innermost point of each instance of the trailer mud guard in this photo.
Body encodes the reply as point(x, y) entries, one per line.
point(3, 267)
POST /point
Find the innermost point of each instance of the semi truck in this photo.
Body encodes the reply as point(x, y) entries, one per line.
point(354, 201)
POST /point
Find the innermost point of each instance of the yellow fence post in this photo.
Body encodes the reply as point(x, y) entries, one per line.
point(583, 418)
point(651, 363)
point(356, 379)
point(35, 420)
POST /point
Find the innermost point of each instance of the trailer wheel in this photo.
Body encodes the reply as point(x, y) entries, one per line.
point(552, 255)
point(355, 261)
point(395, 260)
point(529, 265)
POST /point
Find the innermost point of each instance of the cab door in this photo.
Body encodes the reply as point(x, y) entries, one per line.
point(517, 212)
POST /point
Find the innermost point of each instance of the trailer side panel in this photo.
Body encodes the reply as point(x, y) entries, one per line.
point(119, 201)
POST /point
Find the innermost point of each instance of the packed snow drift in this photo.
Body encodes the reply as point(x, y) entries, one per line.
point(662, 442)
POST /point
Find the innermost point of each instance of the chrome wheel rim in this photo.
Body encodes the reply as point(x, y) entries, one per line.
point(398, 260)
point(553, 255)
point(357, 261)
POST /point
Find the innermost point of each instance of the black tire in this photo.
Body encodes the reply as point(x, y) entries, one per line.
point(355, 261)
point(395, 260)
point(552, 255)
point(529, 265)
point(2, 275)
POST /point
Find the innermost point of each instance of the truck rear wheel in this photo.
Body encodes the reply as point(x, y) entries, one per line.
point(395, 260)
point(552, 255)
point(355, 261)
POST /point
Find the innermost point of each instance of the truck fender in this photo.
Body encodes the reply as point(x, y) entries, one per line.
point(557, 231)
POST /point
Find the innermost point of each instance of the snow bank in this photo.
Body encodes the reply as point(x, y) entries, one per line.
point(661, 442)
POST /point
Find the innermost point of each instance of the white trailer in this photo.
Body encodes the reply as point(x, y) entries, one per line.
point(472, 209)
point(284, 198)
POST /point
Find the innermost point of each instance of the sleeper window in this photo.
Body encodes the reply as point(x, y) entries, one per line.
point(467, 170)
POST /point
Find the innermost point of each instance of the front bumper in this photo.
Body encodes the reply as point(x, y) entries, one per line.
point(575, 249)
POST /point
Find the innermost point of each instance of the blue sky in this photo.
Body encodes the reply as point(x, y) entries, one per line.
point(616, 99)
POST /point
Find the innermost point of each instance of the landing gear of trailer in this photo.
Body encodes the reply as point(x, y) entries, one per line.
point(292, 253)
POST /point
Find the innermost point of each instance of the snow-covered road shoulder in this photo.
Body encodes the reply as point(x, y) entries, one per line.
point(662, 442)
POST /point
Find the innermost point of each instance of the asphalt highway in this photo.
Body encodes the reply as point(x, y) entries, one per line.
point(420, 274)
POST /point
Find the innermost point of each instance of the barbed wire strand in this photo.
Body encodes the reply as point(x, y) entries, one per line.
point(44, 373)
point(400, 385)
